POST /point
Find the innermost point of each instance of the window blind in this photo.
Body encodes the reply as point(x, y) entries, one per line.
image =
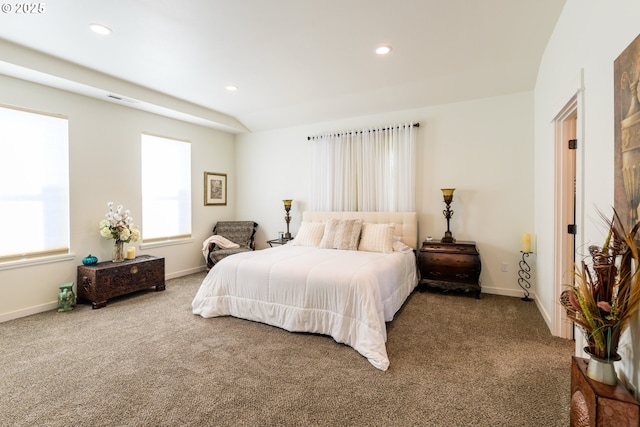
point(166, 188)
point(34, 195)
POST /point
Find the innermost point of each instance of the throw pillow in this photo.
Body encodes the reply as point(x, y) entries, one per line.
point(309, 234)
point(341, 234)
point(377, 237)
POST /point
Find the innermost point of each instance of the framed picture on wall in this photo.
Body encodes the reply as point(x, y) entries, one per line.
point(627, 134)
point(215, 189)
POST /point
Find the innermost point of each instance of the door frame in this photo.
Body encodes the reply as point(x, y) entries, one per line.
point(568, 124)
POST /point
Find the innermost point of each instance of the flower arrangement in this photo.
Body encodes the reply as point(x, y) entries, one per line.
point(606, 293)
point(118, 225)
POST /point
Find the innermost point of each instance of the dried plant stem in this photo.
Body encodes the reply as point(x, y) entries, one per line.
point(606, 294)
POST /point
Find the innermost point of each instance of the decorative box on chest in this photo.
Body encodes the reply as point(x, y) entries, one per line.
point(99, 282)
point(450, 266)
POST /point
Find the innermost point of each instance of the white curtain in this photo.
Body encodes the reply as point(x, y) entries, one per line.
point(366, 170)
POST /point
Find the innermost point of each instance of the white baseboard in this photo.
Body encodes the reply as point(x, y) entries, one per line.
point(506, 292)
point(520, 294)
point(545, 316)
point(186, 272)
point(5, 317)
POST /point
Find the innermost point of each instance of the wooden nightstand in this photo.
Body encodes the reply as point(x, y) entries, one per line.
point(450, 266)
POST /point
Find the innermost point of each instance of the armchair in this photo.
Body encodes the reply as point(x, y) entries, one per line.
point(240, 232)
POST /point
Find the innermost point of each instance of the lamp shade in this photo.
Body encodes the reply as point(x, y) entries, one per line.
point(448, 194)
point(287, 204)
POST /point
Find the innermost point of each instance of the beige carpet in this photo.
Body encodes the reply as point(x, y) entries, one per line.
point(145, 360)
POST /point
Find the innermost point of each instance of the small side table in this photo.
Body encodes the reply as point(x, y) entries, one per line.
point(597, 404)
point(282, 241)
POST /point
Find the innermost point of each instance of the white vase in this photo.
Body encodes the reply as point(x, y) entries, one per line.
point(602, 370)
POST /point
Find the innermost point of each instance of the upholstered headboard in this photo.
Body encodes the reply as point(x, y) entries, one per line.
point(406, 222)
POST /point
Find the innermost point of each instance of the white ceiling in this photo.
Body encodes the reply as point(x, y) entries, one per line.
point(294, 61)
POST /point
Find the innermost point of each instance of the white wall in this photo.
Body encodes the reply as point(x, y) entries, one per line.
point(104, 156)
point(483, 148)
point(589, 36)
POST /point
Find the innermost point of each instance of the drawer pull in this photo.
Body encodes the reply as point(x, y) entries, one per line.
point(134, 270)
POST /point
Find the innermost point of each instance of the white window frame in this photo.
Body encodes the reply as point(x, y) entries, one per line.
point(43, 139)
point(177, 206)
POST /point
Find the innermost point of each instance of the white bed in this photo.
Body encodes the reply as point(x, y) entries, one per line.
point(347, 294)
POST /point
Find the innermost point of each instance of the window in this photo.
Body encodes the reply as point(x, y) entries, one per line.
point(34, 195)
point(166, 188)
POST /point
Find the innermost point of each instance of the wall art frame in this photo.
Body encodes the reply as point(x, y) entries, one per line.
point(626, 74)
point(215, 189)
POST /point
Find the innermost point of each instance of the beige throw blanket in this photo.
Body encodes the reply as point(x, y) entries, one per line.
point(218, 240)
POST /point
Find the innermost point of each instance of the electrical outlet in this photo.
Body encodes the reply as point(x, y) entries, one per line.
point(504, 267)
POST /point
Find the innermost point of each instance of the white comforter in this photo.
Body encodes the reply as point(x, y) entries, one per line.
point(348, 295)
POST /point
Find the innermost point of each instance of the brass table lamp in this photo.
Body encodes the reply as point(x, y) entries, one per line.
point(287, 217)
point(448, 213)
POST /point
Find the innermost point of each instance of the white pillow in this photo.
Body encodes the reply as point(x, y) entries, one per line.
point(309, 234)
point(341, 234)
point(377, 237)
point(399, 246)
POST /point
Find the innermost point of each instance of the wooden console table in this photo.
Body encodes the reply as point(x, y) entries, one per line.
point(99, 282)
point(450, 266)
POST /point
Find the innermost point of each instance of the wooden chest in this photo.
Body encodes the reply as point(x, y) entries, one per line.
point(99, 282)
point(450, 266)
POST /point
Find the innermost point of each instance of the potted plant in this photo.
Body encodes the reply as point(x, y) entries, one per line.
point(605, 296)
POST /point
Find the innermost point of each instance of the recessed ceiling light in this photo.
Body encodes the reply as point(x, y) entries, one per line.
point(231, 88)
point(100, 29)
point(383, 50)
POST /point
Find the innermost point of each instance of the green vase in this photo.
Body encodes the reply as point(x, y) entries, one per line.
point(66, 297)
